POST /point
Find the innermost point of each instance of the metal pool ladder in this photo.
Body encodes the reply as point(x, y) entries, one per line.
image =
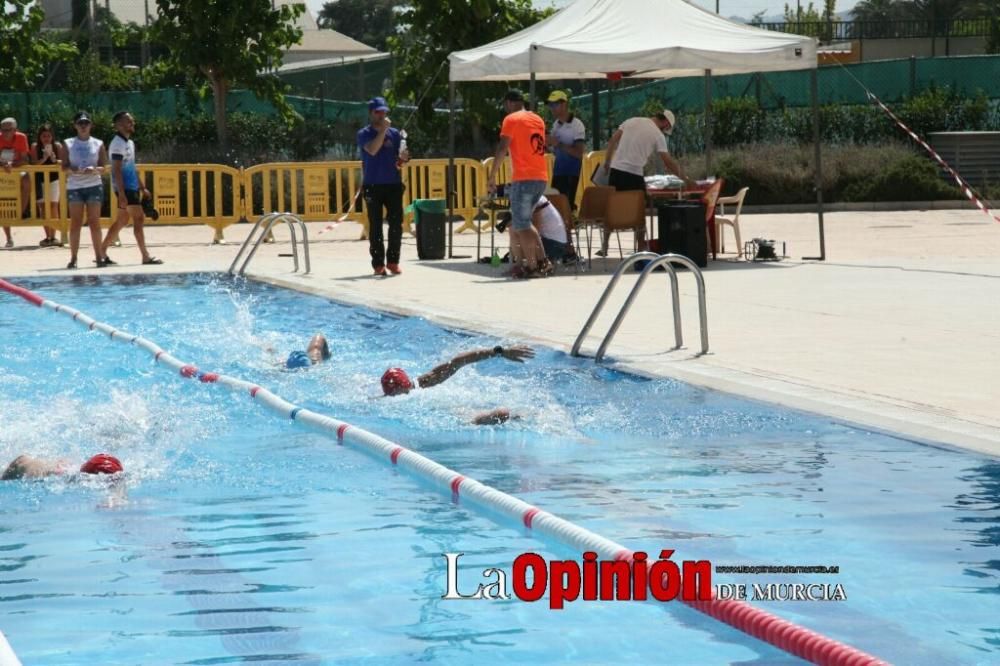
point(655, 260)
point(267, 221)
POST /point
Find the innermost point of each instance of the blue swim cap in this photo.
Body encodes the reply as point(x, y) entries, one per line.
point(298, 359)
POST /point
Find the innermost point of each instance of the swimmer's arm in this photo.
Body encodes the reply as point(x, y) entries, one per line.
point(442, 372)
point(495, 417)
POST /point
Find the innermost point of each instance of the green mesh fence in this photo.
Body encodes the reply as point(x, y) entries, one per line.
point(891, 80)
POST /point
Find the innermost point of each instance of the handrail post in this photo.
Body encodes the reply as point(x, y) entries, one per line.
point(664, 261)
point(248, 240)
point(702, 303)
point(626, 263)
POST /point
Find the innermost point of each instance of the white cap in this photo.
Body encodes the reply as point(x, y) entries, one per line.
point(670, 117)
point(8, 121)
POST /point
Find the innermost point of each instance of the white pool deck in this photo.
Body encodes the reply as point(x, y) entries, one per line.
point(899, 330)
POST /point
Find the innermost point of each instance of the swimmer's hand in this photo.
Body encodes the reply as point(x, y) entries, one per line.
point(518, 353)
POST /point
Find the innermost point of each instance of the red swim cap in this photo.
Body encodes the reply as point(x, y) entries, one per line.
point(395, 381)
point(102, 463)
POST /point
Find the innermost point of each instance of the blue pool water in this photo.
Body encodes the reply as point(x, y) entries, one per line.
point(241, 537)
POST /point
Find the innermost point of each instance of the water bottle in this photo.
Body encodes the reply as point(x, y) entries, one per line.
point(495, 259)
point(402, 147)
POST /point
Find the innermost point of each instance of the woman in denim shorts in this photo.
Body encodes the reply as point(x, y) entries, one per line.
point(85, 158)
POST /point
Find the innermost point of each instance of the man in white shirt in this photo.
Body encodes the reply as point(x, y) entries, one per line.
point(631, 147)
point(567, 140)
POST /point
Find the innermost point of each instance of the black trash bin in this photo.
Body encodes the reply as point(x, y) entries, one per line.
point(429, 216)
point(681, 229)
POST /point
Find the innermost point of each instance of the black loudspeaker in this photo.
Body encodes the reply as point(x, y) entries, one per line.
point(431, 236)
point(682, 230)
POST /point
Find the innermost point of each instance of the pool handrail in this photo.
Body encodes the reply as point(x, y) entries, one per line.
point(268, 221)
point(664, 260)
point(622, 267)
point(772, 629)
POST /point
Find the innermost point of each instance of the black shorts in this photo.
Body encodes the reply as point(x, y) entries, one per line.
point(623, 181)
point(133, 197)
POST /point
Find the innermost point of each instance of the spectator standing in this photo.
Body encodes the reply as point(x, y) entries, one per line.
point(382, 153)
point(523, 135)
point(568, 142)
point(14, 153)
point(633, 144)
point(46, 151)
point(630, 148)
point(128, 187)
point(84, 158)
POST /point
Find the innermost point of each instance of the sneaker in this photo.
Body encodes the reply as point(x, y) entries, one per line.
point(117, 243)
point(71, 264)
point(380, 270)
point(601, 253)
point(394, 269)
point(9, 243)
point(47, 242)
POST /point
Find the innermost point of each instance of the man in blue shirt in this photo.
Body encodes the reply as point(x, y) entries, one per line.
point(382, 154)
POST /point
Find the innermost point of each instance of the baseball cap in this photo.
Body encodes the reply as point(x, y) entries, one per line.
point(298, 359)
point(81, 117)
point(102, 463)
point(395, 381)
point(557, 96)
point(514, 95)
point(378, 104)
point(669, 115)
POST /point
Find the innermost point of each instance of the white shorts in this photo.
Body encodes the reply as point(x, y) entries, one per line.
point(52, 196)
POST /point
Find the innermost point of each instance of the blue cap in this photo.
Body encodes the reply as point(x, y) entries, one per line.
point(298, 359)
point(378, 104)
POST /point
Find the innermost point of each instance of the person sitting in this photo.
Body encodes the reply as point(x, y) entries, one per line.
point(28, 467)
point(395, 381)
point(317, 352)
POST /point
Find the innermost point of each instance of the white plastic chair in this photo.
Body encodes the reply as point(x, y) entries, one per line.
point(736, 199)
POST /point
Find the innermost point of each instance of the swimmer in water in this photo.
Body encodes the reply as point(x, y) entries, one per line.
point(395, 381)
point(317, 352)
point(28, 467)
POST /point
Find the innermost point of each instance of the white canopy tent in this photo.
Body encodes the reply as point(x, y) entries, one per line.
point(638, 39)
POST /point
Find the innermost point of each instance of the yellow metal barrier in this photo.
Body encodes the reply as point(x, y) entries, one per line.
point(427, 179)
point(193, 193)
point(314, 191)
point(20, 205)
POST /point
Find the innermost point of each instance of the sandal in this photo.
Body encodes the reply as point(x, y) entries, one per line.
point(71, 264)
point(152, 260)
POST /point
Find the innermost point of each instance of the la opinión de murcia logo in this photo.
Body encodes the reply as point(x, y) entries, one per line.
point(634, 579)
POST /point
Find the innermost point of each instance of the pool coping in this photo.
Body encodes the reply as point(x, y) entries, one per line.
point(882, 417)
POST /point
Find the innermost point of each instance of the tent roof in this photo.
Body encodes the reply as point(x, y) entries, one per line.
point(649, 38)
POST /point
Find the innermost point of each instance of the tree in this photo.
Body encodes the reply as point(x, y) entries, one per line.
point(230, 43)
point(370, 22)
point(875, 17)
point(428, 30)
point(24, 52)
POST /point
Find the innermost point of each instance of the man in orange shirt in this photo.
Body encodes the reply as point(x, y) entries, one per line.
point(523, 134)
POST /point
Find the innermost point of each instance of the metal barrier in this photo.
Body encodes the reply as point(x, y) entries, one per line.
point(20, 203)
point(267, 222)
point(655, 261)
point(428, 179)
point(210, 194)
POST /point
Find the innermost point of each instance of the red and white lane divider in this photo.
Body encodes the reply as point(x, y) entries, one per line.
point(758, 623)
point(964, 186)
point(7, 656)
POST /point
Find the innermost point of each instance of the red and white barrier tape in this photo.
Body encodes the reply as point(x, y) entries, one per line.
point(7, 656)
point(964, 186)
point(343, 218)
point(758, 623)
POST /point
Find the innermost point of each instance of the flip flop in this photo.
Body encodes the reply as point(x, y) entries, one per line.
point(152, 260)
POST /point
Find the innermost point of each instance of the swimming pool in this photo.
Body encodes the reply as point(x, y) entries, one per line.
point(248, 538)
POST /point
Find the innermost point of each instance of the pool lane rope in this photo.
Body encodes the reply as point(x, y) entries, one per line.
point(760, 624)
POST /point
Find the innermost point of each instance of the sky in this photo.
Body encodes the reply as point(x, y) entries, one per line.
point(744, 8)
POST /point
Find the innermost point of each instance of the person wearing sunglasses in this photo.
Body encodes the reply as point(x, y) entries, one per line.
point(85, 158)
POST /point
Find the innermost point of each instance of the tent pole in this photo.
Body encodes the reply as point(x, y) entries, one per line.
point(531, 86)
point(450, 179)
point(595, 115)
point(818, 170)
point(708, 123)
